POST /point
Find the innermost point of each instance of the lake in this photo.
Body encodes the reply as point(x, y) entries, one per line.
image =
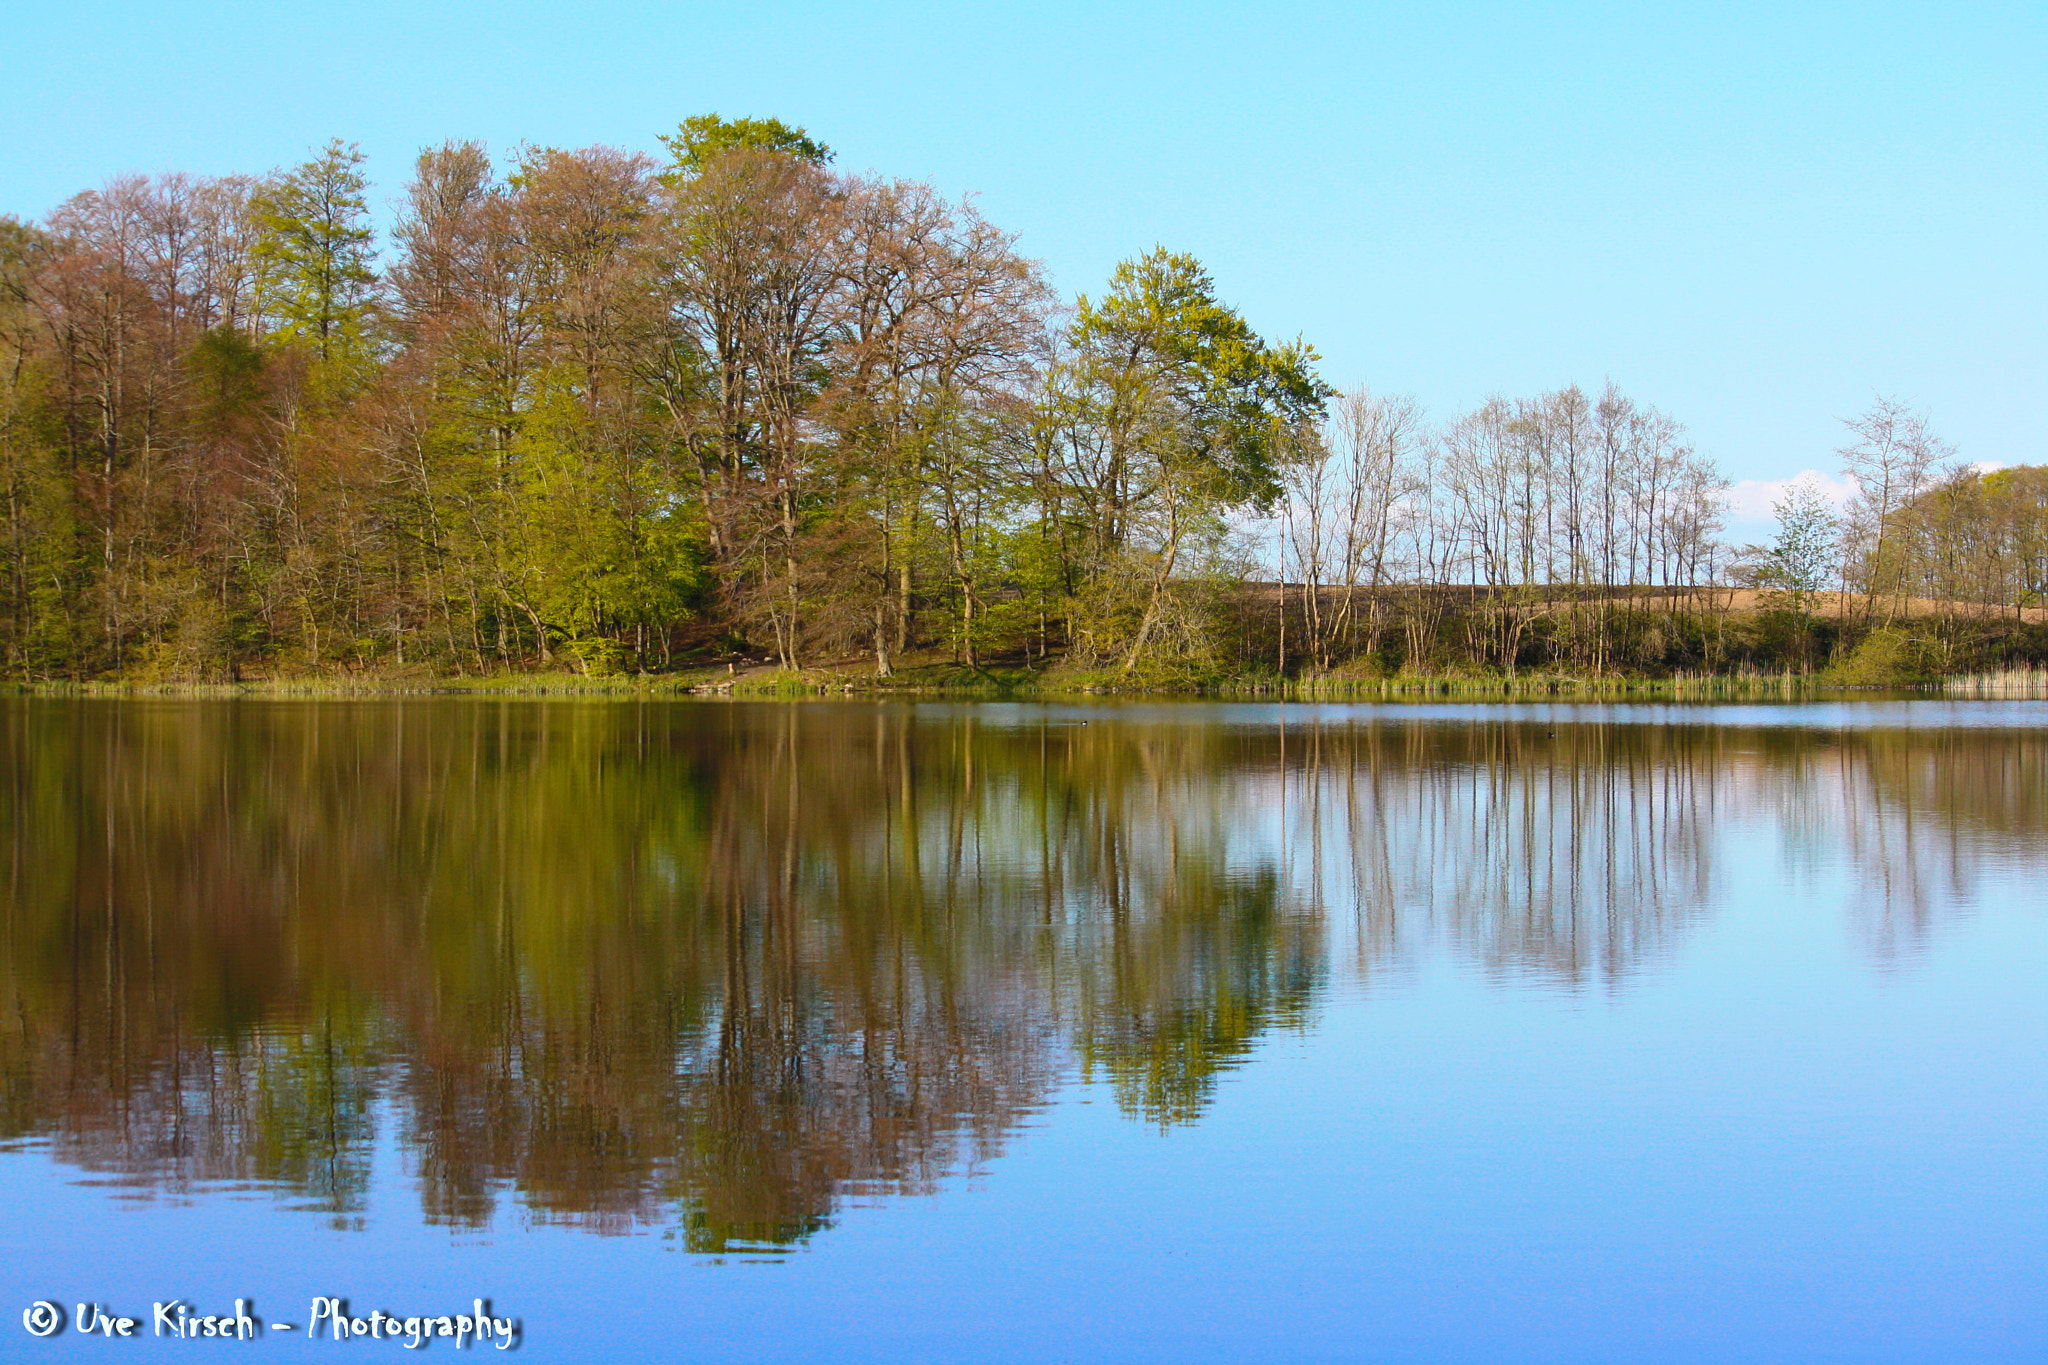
point(1016, 1032)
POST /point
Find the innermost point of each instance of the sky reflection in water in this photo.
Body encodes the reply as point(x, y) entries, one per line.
point(1306, 1032)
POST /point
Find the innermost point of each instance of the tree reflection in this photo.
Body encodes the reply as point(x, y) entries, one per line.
point(721, 967)
point(1574, 856)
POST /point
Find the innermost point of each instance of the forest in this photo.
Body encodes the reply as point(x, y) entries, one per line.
point(606, 413)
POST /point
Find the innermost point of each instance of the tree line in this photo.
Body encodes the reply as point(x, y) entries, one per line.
point(1959, 548)
point(601, 410)
point(1586, 535)
point(1511, 525)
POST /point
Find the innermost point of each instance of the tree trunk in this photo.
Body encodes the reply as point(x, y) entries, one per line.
point(1151, 616)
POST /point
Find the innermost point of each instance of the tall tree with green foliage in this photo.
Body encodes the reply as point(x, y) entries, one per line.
point(1198, 415)
point(317, 256)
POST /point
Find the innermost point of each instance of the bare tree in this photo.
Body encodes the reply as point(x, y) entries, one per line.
point(1375, 440)
point(1890, 457)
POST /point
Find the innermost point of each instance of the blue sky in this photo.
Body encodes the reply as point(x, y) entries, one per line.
point(1755, 217)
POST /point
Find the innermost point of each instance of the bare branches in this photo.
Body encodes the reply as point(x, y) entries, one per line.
point(1891, 457)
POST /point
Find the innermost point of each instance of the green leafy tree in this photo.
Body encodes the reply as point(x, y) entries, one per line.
point(1803, 559)
point(700, 140)
point(316, 255)
point(1197, 414)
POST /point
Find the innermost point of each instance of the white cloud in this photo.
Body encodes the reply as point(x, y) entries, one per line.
point(1752, 499)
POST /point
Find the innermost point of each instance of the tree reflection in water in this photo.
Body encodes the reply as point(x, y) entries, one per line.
point(720, 967)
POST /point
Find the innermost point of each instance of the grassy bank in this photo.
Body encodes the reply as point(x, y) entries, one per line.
point(1014, 681)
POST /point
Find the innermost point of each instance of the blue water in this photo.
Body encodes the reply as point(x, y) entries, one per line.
point(1765, 1081)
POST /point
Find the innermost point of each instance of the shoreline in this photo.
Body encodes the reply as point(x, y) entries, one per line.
point(1014, 684)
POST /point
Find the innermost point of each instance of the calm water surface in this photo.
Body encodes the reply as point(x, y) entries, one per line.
point(1015, 1032)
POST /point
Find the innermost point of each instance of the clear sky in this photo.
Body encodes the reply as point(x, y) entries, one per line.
point(1756, 217)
